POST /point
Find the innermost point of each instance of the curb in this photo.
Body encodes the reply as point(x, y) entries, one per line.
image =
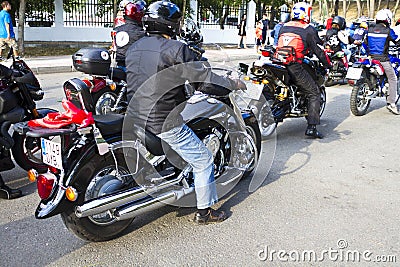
point(70, 68)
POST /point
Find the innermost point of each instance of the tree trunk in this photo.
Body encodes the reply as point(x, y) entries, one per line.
point(372, 9)
point(396, 7)
point(336, 7)
point(359, 8)
point(21, 27)
point(344, 8)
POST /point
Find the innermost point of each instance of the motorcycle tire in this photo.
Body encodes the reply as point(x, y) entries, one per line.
point(27, 153)
point(358, 102)
point(323, 101)
point(253, 130)
point(104, 100)
point(99, 227)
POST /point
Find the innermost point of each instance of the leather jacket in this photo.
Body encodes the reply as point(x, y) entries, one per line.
point(156, 74)
point(127, 34)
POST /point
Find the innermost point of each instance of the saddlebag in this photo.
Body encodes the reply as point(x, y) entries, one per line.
point(8, 100)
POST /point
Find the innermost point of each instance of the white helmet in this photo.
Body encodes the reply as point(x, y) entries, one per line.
point(302, 11)
point(123, 4)
point(384, 15)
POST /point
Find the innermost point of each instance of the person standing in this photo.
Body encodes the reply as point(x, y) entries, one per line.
point(265, 23)
point(7, 35)
point(242, 32)
point(258, 35)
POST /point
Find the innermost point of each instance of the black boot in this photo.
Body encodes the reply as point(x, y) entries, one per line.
point(8, 193)
point(313, 132)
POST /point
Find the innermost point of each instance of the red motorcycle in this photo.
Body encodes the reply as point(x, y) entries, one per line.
point(107, 82)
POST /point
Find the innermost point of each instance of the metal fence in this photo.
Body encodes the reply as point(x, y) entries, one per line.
point(211, 17)
point(88, 13)
point(76, 13)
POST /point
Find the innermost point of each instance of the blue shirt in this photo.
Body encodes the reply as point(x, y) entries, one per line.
point(5, 18)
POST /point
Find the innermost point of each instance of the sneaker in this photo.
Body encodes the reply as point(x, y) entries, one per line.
point(393, 108)
point(211, 217)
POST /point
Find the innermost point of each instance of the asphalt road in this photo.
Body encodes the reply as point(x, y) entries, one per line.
point(336, 197)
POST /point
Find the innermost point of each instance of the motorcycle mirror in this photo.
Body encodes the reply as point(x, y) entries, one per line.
point(243, 68)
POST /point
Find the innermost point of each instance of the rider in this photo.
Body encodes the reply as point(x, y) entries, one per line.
point(337, 38)
point(301, 36)
point(378, 39)
point(160, 95)
point(359, 35)
point(131, 31)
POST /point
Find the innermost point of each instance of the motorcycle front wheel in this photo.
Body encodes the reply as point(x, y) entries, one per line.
point(95, 179)
point(359, 103)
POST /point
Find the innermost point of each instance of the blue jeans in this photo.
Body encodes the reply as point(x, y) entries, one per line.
point(185, 142)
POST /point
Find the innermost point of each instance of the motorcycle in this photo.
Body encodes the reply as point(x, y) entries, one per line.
point(339, 67)
point(282, 98)
point(100, 177)
point(368, 79)
point(107, 82)
point(19, 89)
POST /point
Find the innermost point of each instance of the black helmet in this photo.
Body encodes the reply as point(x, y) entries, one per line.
point(162, 17)
point(340, 21)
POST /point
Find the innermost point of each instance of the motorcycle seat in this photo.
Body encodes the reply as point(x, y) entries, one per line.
point(117, 73)
point(153, 142)
point(109, 124)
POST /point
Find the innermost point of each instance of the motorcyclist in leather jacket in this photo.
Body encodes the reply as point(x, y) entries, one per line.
point(157, 68)
point(131, 31)
point(303, 39)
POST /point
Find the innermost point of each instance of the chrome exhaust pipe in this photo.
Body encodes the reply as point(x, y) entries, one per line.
point(102, 204)
point(152, 204)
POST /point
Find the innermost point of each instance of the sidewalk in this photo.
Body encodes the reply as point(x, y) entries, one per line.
point(59, 64)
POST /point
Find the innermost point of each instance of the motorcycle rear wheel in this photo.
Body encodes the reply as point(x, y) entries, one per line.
point(359, 104)
point(104, 101)
point(92, 179)
point(27, 153)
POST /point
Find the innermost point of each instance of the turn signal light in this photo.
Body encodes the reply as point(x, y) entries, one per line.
point(265, 81)
point(246, 78)
point(45, 183)
point(113, 86)
point(71, 193)
point(32, 175)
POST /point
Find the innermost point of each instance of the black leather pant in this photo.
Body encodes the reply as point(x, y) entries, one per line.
point(303, 79)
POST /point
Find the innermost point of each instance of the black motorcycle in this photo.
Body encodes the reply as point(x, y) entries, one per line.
point(99, 180)
point(282, 98)
point(19, 89)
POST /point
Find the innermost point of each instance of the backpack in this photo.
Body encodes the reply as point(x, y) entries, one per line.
point(290, 48)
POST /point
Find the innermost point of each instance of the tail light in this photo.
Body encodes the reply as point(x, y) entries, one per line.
point(265, 53)
point(45, 184)
point(351, 82)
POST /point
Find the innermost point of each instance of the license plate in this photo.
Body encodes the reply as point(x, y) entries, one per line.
point(354, 73)
point(51, 153)
point(253, 91)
